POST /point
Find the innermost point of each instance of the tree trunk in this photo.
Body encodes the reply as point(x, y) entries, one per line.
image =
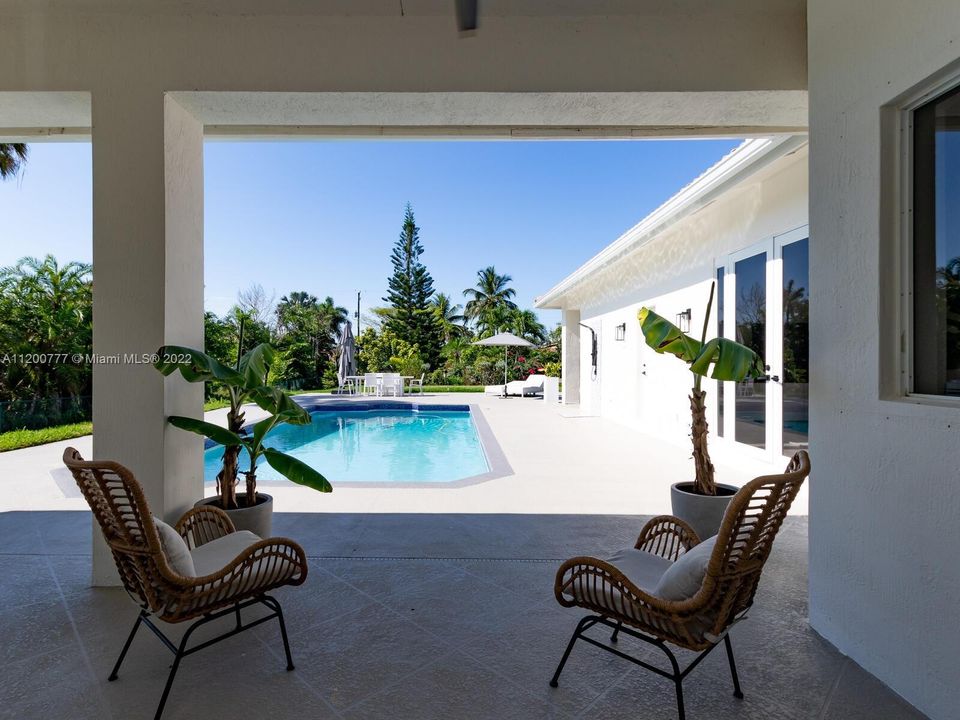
point(251, 489)
point(701, 455)
point(227, 479)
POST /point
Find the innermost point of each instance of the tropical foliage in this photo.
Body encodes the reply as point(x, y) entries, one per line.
point(12, 158)
point(449, 317)
point(45, 331)
point(46, 308)
point(490, 303)
point(382, 351)
point(721, 358)
point(248, 382)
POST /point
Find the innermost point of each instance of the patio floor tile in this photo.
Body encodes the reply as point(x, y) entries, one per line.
point(461, 626)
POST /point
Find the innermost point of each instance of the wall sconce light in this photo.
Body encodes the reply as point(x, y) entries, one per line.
point(621, 332)
point(683, 320)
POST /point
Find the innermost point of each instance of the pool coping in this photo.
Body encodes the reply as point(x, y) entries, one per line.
point(496, 458)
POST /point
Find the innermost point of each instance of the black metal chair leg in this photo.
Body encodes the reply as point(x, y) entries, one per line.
point(178, 656)
point(585, 623)
point(274, 604)
point(677, 678)
point(737, 693)
point(616, 632)
point(126, 646)
point(166, 688)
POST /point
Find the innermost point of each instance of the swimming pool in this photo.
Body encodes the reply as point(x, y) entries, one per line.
point(374, 445)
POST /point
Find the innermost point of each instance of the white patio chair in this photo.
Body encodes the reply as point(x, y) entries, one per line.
point(392, 384)
point(372, 384)
point(414, 382)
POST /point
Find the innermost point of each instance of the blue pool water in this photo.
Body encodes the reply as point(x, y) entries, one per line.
point(374, 446)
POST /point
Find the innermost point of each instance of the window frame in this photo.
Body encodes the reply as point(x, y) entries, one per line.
point(929, 91)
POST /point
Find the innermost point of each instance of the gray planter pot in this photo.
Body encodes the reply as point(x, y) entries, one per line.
point(257, 519)
point(703, 513)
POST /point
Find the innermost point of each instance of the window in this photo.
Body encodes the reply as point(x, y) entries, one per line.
point(936, 246)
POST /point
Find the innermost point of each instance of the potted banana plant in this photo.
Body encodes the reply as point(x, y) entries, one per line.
point(702, 502)
point(247, 383)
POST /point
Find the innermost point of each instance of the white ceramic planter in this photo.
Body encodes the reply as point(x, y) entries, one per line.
point(703, 513)
point(257, 519)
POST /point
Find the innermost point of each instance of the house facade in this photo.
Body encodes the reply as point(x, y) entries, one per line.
point(739, 232)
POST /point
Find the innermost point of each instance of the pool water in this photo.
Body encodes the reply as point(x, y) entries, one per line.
point(388, 446)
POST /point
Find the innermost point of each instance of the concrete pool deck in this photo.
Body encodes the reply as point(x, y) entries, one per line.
point(561, 462)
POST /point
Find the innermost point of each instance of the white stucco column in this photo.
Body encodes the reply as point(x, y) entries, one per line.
point(147, 292)
point(571, 357)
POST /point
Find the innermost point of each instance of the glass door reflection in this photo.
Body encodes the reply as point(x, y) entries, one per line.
point(796, 347)
point(750, 411)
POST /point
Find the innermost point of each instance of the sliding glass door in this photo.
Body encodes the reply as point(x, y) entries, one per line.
point(764, 305)
point(795, 347)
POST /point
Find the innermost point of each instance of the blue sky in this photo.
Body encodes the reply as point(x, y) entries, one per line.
point(322, 216)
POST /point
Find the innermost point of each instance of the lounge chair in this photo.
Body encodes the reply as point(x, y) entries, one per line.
point(533, 385)
point(671, 588)
point(202, 569)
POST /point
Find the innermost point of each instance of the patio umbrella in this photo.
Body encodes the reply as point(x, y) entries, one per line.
point(506, 340)
point(347, 362)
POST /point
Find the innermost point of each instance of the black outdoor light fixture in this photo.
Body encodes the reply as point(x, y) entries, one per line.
point(466, 15)
point(621, 332)
point(683, 320)
point(593, 349)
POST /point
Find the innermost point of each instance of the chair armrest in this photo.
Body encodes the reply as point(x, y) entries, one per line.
point(594, 583)
point(666, 536)
point(202, 524)
point(264, 565)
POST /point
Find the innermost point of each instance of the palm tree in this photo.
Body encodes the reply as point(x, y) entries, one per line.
point(47, 310)
point(335, 316)
point(298, 298)
point(12, 157)
point(491, 293)
point(448, 316)
point(527, 325)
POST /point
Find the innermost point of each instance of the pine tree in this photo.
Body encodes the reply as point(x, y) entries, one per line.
point(409, 293)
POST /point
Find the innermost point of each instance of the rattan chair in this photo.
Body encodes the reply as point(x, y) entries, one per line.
point(120, 508)
point(699, 622)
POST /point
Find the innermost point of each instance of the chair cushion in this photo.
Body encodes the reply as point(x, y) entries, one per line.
point(683, 578)
point(217, 554)
point(175, 549)
point(642, 568)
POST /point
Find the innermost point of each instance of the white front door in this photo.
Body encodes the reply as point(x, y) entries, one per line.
point(764, 302)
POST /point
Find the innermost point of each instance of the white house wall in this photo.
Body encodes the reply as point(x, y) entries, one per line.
point(670, 274)
point(885, 511)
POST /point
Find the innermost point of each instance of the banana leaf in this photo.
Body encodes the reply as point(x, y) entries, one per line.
point(194, 365)
point(296, 471)
point(255, 364)
point(216, 433)
point(665, 337)
point(729, 359)
point(276, 401)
